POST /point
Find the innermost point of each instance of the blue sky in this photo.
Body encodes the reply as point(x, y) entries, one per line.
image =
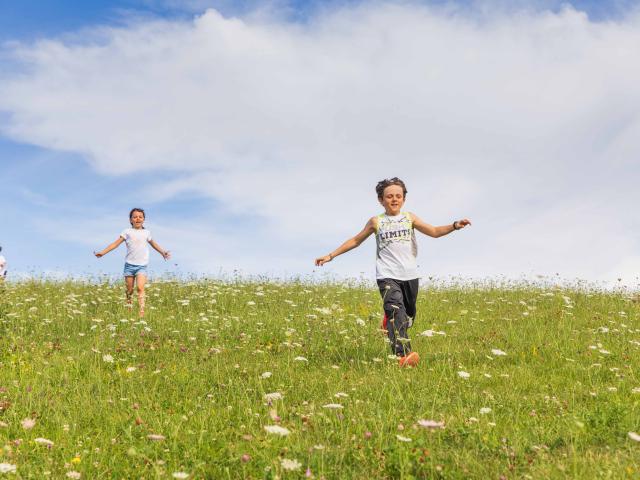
point(308, 104)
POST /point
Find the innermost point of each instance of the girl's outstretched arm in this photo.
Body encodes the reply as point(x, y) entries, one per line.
point(112, 246)
point(350, 244)
point(165, 253)
point(440, 231)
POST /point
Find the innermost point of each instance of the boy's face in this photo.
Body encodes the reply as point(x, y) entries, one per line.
point(392, 199)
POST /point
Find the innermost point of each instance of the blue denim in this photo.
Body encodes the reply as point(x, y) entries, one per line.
point(133, 270)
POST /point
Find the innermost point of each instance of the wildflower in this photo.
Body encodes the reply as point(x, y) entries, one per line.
point(300, 359)
point(28, 423)
point(266, 375)
point(463, 374)
point(341, 394)
point(73, 474)
point(291, 465)
point(131, 369)
point(43, 441)
point(7, 468)
point(269, 397)
point(107, 358)
point(277, 430)
point(245, 458)
point(333, 406)
point(485, 410)
point(430, 424)
point(156, 437)
point(403, 439)
point(75, 460)
point(497, 352)
point(180, 475)
point(634, 436)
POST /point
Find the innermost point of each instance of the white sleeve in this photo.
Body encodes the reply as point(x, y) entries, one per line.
point(149, 236)
point(124, 234)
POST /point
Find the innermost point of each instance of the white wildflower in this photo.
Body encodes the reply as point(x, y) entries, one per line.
point(273, 396)
point(300, 359)
point(277, 430)
point(28, 423)
point(403, 439)
point(7, 468)
point(181, 475)
point(333, 406)
point(43, 441)
point(485, 410)
point(107, 358)
point(497, 352)
point(131, 369)
point(463, 374)
point(156, 437)
point(291, 465)
point(634, 436)
point(341, 394)
point(73, 474)
point(430, 424)
point(266, 375)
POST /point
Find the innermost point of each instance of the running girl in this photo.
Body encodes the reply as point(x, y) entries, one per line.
point(396, 264)
point(137, 259)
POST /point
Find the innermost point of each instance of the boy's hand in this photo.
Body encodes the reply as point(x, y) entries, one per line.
point(322, 260)
point(97, 254)
point(166, 254)
point(463, 223)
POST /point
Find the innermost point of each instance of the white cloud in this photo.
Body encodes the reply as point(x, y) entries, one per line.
point(523, 121)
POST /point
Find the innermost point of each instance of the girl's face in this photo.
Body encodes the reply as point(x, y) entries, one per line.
point(137, 219)
point(392, 199)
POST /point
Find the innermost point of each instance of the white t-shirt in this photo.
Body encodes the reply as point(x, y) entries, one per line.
point(137, 241)
point(3, 265)
point(397, 248)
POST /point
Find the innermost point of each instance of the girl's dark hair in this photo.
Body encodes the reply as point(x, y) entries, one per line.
point(134, 210)
point(382, 184)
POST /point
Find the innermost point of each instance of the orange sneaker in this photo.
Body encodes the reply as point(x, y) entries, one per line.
point(410, 360)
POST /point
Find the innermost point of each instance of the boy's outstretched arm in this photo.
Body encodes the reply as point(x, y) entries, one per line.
point(110, 247)
point(165, 253)
point(440, 231)
point(350, 244)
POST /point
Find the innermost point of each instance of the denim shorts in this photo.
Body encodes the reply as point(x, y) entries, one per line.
point(133, 270)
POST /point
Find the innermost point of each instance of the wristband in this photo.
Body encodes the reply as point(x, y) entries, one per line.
point(455, 225)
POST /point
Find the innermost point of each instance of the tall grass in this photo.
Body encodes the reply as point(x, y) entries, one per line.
point(188, 391)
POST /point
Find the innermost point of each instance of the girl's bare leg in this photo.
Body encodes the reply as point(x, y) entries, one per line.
point(128, 281)
point(141, 280)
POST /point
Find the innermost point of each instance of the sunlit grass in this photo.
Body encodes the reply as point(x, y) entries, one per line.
point(255, 380)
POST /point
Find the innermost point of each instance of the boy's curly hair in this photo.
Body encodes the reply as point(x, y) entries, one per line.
point(382, 184)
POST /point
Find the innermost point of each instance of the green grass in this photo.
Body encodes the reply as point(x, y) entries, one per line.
point(561, 400)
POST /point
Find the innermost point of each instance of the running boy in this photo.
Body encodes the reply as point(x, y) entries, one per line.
point(138, 240)
point(396, 265)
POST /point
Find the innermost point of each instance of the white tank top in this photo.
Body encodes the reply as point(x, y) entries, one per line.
point(396, 247)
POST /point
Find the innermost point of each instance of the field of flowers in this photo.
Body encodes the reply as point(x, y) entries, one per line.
point(293, 380)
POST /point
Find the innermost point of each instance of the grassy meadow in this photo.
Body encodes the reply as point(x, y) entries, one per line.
point(245, 379)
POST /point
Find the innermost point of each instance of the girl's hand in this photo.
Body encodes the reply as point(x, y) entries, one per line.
point(98, 254)
point(322, 260)
point(166, 254)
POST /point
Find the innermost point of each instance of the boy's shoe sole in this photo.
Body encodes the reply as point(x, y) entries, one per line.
point(410, 360)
